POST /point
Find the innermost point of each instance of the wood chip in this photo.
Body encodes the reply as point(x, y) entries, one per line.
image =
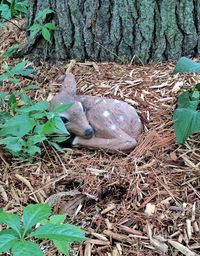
point(181, 248)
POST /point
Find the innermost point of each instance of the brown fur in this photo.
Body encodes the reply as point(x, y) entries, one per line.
point(116, 125)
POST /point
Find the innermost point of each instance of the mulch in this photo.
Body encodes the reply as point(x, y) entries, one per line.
point(146, 202)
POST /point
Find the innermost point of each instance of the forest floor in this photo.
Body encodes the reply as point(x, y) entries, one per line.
point(143, 203)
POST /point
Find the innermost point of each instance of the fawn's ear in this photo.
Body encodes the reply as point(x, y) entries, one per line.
point(69, 85)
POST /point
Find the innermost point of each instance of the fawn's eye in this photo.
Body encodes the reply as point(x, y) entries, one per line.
point(64, 119)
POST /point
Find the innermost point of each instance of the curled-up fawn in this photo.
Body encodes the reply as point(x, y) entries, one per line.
point(98, 122)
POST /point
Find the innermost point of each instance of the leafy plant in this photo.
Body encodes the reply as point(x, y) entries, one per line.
point(186, 115)
point(18, 69)
point(44, 29)
point(20, 235)
point(10, 51)
point(12, 8)
point(24, 125)
point(23, 129)
point(184, 65)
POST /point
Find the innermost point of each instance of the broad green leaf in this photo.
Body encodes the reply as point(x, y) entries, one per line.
point(62, 247)
point(34, 213)
point(15, 126)
point(186, 65)
point(184, 101)
point(20, 69)
point(60, 232)
point(31, 151)
point(195, 95)
point(57, 219)
point(7, 239)
point(26, 248)
point(13, 144)
point(34, 139)
point(60, 125)
point(4, 116)
point(62, 107)
point(186, 122)
point(43, 13)
point(35, 27)
point(10, 51)
point(59, 138)
point(21, 7)
point(2, 96)
point(5, 11)
point(4, 76)
point(39, 106)
point(49, 127)
point(25, 98)
point(46, 34)
point(54, 125)
point(50, 26)
point(10, 219)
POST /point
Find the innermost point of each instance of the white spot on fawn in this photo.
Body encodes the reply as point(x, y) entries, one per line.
point(97, 100)
point(121, 118)
point(106, 113)
point(113, 127)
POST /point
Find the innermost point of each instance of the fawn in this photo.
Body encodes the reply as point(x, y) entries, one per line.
point(98, 122)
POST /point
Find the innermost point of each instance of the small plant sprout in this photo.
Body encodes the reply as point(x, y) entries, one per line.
point(45, 28)
point(20, 236)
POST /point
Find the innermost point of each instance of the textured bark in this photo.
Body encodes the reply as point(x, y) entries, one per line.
point(118, 30)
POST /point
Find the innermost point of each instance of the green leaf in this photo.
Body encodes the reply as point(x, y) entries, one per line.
point(13, 144)
point(21, 7)
point(34, 139)
point(7, 239)
point(46, 34)
point(43, 13)
point(5, 11)
point(34, 213)
point(2, 96)
point(184, 101)
point(26, 248)
point(15, 126)
point(50, 26)
point(186, 122)
point(10, 219)
point(54, 125)
point(31, 87)
point(20, 69)
point(10, 51)
point(60, 125)
point(35, 27)
point(62, 107)
point(62, 247)
point(60, 232)
point(186, 65)
point(59, 138)
point(57, 219)
point(39, 106)
point(4, 116)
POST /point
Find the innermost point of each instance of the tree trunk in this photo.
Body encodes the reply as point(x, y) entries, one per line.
point(118, 30)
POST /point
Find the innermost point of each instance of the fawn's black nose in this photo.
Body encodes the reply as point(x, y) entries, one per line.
point(89, 132)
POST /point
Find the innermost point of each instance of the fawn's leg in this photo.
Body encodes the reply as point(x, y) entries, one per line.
point(125, 144)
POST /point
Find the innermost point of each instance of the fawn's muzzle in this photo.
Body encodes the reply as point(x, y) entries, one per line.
point(88, 132)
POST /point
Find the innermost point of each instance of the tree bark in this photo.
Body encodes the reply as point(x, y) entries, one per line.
point(118, 30)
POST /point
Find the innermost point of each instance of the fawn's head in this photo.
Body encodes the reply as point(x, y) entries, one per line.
point(75, 118)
